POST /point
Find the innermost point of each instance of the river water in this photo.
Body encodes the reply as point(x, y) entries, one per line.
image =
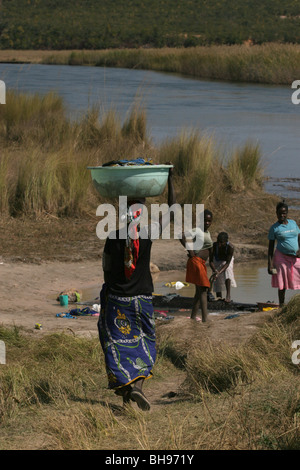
point(232, 112)
point(252, 278)
point(253, 284)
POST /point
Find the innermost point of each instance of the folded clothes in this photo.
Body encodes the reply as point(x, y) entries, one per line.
point(137, 161)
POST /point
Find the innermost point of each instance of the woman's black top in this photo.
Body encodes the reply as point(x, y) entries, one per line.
point(140, 282)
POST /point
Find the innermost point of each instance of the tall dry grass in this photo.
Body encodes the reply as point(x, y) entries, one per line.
point(261, 376)
point(45, 156)
point(244, 169)
point(53, 394)
point(198, 166)
point(206, 173)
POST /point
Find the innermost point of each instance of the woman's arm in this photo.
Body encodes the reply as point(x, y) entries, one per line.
point(228, 260)
point(183, 241)
point(211, 259)
point(298, 252)
point(270, 256)
point(165, 219)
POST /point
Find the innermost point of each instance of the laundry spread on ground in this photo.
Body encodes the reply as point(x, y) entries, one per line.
point(77, 312)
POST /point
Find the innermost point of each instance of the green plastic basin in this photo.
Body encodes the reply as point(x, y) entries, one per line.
point(132, 181)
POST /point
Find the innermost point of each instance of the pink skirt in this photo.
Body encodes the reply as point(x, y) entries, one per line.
point(288, 271)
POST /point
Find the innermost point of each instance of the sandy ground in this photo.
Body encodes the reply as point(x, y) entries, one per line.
point(29, 291)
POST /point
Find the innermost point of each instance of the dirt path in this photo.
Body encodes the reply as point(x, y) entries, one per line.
point(187, 334)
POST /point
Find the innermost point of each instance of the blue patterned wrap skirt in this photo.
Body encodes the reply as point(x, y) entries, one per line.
point(127, 335)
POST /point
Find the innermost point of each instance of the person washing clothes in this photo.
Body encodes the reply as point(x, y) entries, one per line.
point(221, 262)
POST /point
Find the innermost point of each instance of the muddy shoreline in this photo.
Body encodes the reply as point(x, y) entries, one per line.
point(29, 287)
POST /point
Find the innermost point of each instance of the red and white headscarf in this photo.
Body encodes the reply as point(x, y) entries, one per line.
point(132, 244)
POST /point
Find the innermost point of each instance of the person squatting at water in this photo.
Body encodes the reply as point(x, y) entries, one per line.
point(221, 262)
point(196, 271)
point(126, 323)
point(284, 263)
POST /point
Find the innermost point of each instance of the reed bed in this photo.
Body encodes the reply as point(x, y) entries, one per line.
point(271, 63)
point(45, 156)
point(53, 394)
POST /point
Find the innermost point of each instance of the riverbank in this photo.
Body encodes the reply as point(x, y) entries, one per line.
point(42, 256)
point(50, 239)
point(42, 259)
point(269, 63)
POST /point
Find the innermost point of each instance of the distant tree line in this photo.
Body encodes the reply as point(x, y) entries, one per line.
point(101, 24)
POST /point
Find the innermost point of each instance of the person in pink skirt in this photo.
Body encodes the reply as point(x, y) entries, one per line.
point(284, 262)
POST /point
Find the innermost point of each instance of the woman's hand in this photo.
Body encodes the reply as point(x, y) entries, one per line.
point(171, 172)
point(215, 275)
point(272, 270)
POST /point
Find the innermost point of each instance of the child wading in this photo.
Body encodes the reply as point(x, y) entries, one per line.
point(221, 263)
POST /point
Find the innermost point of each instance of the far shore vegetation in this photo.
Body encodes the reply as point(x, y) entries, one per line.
point(271, 63)
point(249, 41)
point(102, 24)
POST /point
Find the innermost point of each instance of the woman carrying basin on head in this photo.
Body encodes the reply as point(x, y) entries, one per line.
point(284, 262)
point(126, 322)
